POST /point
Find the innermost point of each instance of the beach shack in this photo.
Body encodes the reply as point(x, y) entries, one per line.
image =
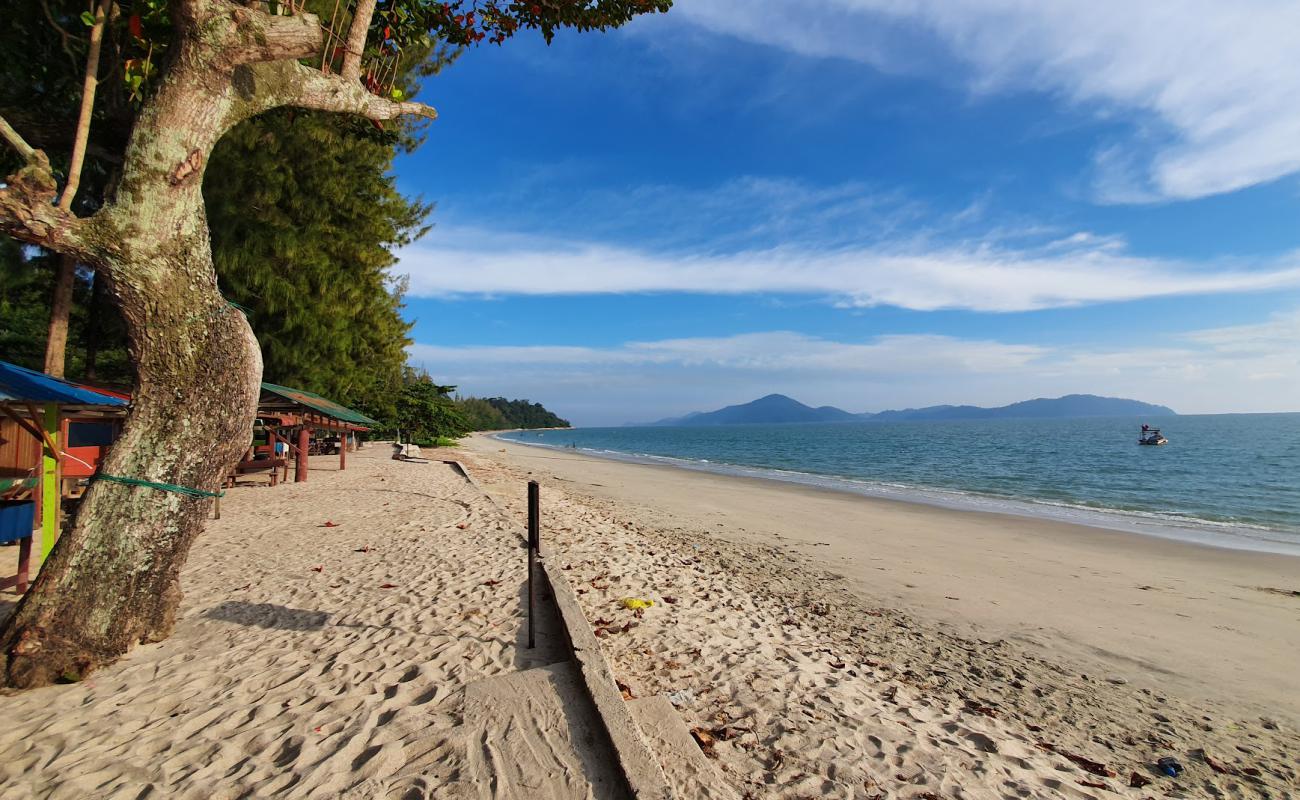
point(46, 425)
point(308, 424)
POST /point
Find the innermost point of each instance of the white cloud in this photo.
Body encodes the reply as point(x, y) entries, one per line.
point(979, 276)
point(1215, 80)
point(1199, 372)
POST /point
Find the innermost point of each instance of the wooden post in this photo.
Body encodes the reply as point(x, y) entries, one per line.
point(343, 450)
point(24, 563)
point(50, 481)
point(304, 441)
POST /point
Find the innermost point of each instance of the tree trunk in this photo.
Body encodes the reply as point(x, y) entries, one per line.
point(113, 579)
point(56, 342)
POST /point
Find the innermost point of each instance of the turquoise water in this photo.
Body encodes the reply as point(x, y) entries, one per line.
point(1229, 480)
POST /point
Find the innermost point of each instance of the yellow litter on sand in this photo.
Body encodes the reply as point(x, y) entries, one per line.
point(636, 602)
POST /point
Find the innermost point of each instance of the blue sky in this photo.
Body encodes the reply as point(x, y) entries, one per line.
point(868, 203)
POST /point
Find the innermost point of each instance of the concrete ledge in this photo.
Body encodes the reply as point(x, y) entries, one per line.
point(645, 776)
point(638, 763)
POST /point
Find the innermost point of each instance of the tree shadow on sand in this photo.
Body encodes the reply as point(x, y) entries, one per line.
point(268, 615)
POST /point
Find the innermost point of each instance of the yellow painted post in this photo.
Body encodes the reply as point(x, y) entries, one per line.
point(50, 483)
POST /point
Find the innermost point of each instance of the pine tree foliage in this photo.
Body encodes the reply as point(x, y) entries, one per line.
point(304, 217)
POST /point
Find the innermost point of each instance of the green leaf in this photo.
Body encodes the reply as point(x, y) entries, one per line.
point(397, 93)
point(88, 19)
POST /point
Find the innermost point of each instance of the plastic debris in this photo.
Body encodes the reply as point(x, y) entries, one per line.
point(681, 697)
point(633, 603)
point(1170, 766)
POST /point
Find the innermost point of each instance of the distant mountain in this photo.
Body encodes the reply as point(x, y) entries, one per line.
point(1071, 405)
point(777, 408)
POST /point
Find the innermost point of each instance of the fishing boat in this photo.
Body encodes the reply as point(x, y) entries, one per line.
point(1151, 436)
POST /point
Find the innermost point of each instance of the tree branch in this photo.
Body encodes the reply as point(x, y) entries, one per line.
point(355, 45)
point(260, 36)
point(288, 83)
point(89, 83)
point(27, 209)
point(17, 142)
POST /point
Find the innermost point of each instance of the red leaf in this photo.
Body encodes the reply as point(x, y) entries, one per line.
point(137, 30)
point(318, 568)
point(329, 524)
point(387, 586)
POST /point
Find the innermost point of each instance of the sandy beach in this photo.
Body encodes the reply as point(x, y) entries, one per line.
point(310, 660)
point(844, 646)
point(819, 645)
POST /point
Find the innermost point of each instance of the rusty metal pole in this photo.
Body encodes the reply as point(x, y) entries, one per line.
point(532, 559)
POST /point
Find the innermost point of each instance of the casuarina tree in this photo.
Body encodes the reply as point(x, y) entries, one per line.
point(112, 580)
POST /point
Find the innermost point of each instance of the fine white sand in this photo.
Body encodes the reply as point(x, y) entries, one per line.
point(834, 645)
point(309, 661)
point(820, 645)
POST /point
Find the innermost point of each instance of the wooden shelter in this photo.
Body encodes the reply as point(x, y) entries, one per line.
point(48, 425)
point(301, 414)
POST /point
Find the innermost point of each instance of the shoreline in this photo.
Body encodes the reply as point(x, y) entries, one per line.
point(1195, 532)
point(1211, 622)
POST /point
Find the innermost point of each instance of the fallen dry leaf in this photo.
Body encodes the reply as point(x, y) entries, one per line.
point(1087, 764)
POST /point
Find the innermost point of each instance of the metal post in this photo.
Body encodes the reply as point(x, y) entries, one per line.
point(532, 558)
point(534, 518)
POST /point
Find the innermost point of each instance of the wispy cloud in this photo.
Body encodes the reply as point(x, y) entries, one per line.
point(979, 275)
point(1213, 83)
point(1200, 371)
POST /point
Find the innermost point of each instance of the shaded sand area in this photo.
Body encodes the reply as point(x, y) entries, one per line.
point(379, 657)
point(829, 645)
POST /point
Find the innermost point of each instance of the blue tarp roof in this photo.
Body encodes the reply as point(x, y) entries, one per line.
point(20, 385)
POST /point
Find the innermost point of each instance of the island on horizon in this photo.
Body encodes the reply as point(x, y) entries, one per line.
point(781, 409)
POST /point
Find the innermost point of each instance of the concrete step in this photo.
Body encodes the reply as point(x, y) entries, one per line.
point(690, 772)
point(535, 734)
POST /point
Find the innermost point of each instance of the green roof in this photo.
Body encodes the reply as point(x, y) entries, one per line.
point(317, 403)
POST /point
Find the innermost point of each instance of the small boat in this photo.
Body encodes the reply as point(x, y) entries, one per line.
point(1151, 436)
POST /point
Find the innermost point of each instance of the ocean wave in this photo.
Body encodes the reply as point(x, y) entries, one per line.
point(1229, 533)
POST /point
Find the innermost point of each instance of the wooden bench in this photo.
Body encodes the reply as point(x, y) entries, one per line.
point(273, 465)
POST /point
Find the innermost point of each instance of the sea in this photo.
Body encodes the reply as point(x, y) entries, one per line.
point(1227, 480)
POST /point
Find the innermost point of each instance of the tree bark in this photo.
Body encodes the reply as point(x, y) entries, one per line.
point(355, 44)
point(56, 339)
point(112, 580)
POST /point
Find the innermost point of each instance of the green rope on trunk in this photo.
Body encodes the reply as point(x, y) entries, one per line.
point(188, 491)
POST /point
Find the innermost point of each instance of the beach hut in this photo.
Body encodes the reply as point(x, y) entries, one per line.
point(39, 413)
point(301, 414)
